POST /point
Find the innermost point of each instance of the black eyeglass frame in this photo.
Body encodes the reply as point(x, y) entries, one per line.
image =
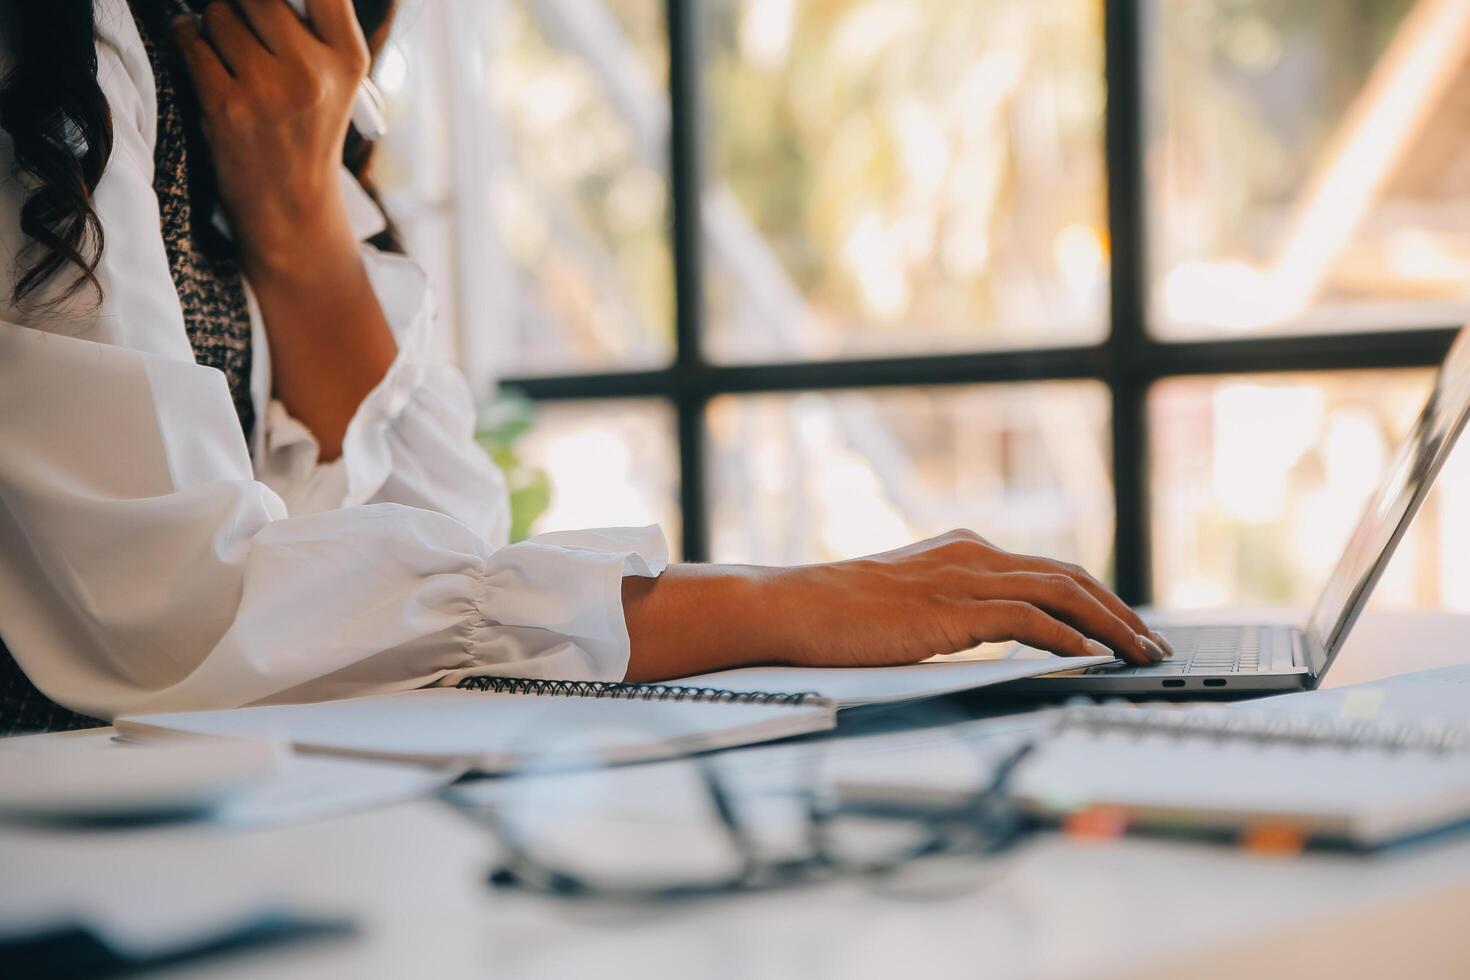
point(982, 824)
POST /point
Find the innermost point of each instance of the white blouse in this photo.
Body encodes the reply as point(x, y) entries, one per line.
point(151, 561)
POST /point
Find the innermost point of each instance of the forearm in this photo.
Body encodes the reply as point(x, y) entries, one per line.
point(693, 619)
point(330, 341)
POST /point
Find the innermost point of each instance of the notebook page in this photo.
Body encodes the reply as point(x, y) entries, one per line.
point(851, 687)
point(1440, 696)
point(496, 732)
point(1367, 796)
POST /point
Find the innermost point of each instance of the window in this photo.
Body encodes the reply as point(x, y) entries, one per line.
point(818, 476)
point(1147, 284)
point(607, 463)
point(1240, 513)
point(1307, 180)
point(888, 178)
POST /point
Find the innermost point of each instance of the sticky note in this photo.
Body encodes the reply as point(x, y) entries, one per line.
point(1362, 705)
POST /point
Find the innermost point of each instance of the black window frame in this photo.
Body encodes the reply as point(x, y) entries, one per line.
point(1129, 360)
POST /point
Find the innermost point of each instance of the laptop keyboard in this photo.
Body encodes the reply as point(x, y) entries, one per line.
point(1205, 650)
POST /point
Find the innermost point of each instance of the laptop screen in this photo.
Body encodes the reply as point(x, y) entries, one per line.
point(1393, 506)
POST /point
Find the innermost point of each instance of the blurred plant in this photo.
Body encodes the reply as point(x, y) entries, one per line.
point(502, 423)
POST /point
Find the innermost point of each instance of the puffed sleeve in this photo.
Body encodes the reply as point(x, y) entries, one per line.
point(411, 441)
point(144, 567)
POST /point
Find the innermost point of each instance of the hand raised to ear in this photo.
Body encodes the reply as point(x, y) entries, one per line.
point(276, 95)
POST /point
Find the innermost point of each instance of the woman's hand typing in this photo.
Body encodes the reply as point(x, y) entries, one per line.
point(938, 596)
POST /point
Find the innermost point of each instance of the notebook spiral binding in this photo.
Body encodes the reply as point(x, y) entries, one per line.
point(636, 692)
point(1266, 728)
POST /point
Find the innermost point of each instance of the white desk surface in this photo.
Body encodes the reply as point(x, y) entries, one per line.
point(412, 876)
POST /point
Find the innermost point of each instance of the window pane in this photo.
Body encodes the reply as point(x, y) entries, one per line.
point(1309, 164)
point(604, 463)
point(534, 135)
point(823, 476)
point(1259, 480)
point(908, 176)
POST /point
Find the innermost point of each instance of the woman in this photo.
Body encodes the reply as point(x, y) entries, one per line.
point(229, 474)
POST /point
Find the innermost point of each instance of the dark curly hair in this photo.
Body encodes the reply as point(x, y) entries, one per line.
point(61, 128)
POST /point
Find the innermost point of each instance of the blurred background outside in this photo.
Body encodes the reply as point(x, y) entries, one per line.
point(894, 178)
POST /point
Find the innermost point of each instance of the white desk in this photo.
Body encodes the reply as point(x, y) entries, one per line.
point(412, 877)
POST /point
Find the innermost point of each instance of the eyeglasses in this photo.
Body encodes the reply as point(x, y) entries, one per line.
point(678, 831)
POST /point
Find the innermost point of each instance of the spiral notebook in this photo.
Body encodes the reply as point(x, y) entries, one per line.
point(1220, 771)
point(501, 724)
point(853, 687)
point(490, 725)
point(1345, 780)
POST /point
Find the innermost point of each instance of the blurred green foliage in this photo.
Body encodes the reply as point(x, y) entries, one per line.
point(503, 422)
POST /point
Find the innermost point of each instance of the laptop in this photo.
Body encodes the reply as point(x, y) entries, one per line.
point(1229, 660)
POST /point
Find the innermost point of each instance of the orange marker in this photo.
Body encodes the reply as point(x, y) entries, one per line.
point(1097, 822)
point(1277, 840)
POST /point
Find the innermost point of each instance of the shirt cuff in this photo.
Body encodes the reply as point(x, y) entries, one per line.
point(292, 467)
point(291, 450)
point(552, 607)
point(403, 293)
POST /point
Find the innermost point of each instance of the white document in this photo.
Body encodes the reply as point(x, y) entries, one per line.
point(1425, 697)
point(314, 787)
point(852, 687)
point(498, 732)
point(84, 776)
point(234, 782)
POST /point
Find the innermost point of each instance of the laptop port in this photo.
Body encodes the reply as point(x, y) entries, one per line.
point(1173, 683)
point(1214, 682)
